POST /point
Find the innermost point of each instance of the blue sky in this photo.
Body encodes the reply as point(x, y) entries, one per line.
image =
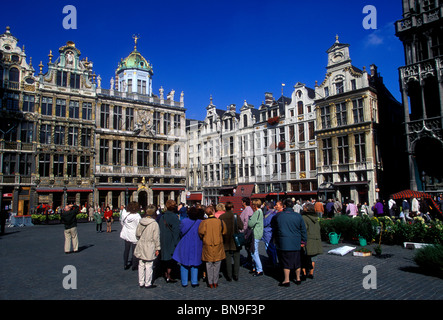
point(232, 50)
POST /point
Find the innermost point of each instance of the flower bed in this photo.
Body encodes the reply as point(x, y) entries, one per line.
point(392, 231)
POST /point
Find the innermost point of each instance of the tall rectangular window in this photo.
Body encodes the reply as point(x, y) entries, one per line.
point(62, 78)
point(104, 151)
point(87, 111)
point(156, 122)
point(312, 160)
point(302, 161)
point(27, 132)
point(74, 82)
point(129, 121)
point(71, 166)
point(46, 106)
point(104, 116)
point(341, 114)
point(45, 134)
point(129, 153)
point(177, 162)
point(292, 161)
point(28, 103)
point(166, 156)
point(339, 87)
point(358, 110)
point(360, 147)
point(60, 108)
point(73, 136)
point(59, 163)
point(156, 155)
point(327, 151)
point(86, 137)
point(25, 164)
point(301, 132)
point(343, 149)
point(85, 166)
point(142, 153)
point(292, 133)
point(9, 163)
point(44, 162)
point(116, 152)
point(311, 130)
point(283, 162)
point(177, 124)
point(59, 135)
point(325, 116)
point(118, 118)
point(166, 123)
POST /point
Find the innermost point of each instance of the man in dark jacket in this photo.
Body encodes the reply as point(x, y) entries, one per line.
point(289, 232)
point(69, 219)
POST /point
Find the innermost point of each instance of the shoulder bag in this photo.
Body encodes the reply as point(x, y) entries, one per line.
point(239, 237)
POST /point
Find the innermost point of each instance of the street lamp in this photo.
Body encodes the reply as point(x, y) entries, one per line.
point(65, 196)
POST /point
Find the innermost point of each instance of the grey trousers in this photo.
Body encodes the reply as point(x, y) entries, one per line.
point(212, 270)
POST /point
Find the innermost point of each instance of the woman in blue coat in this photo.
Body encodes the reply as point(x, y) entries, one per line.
point(188, 252)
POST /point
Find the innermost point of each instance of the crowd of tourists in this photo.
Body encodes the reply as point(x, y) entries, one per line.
point(188, 244)
point(202, 242)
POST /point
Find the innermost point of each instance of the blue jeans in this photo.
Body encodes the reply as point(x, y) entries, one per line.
point(184, 272)
point(256, 257)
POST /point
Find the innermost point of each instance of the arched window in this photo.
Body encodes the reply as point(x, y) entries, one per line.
point(245, 120)
point(14, 75)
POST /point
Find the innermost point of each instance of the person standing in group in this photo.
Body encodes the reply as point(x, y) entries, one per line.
point(329, 208)
point(256, 225)
point(220, 210)
point(319, 208)
point(351, 209)
point(313, 245)
point(289, 232)
point(233, 225)
point(212, 230)
point(129, 220)
point(392, 207)
point(338, 207)
point(69, 218)
point(169, 224)
point(267, 234)
point(188, 252)
point(378, 208)
point(244, 216)
point(98, 217)
point(91, 212)
point(147, 247)
point(108, 219)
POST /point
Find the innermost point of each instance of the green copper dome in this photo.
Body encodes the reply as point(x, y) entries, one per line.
point(134, 61)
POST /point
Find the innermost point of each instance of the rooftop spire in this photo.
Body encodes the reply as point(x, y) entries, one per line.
point(135, 37)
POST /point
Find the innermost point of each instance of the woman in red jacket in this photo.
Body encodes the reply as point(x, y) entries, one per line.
point(108, 218)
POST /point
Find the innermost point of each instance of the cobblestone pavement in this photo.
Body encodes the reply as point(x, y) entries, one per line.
point(32, 262)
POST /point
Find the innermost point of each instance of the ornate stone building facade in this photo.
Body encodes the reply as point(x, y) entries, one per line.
point(67, 139)
point(358, 132)
point(421, 84)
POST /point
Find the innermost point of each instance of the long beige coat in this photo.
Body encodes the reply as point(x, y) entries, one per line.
point(211, 231)
point(148, 235)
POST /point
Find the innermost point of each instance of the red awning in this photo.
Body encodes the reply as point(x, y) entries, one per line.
point(48, 190)
point(194, 197)
point(244, 190)
point(407, 194)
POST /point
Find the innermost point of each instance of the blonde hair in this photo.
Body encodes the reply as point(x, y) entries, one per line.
point(256, 203)
point(220, 207)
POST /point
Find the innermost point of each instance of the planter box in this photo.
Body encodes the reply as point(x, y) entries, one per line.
point(361, 254)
